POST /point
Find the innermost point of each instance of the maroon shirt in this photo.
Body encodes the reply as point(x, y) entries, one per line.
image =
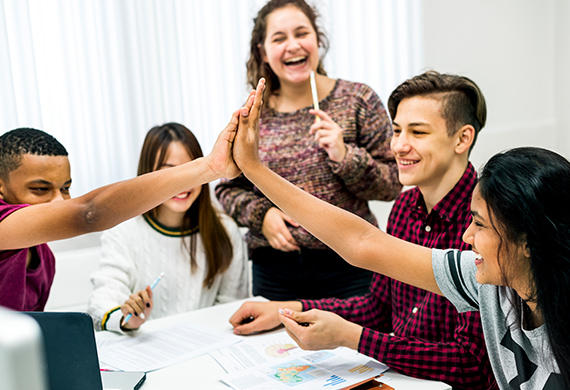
point(430, 340)
point(22, 288)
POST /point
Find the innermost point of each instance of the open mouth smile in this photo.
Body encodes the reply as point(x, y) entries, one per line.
point(296, 61)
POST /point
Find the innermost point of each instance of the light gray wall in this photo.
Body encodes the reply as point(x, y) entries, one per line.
point(514, 50)
point(562, 73)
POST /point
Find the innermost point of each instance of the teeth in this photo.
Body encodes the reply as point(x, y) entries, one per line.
point(407, 162)
point(296, 59)
point(182, 196)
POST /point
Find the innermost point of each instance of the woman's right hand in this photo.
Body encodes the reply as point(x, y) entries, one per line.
point(275, 230)
point(140, 306)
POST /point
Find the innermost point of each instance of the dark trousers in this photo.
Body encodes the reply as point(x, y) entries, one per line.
point(306, 274)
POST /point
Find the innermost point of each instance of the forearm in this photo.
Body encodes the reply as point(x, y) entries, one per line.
point(130, 198)
point(368, 177)
point(102, 208)
point(240, 202)
point(357, 241)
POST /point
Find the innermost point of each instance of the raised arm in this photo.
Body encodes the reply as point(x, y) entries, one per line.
point(105, 207)
point(357, 241)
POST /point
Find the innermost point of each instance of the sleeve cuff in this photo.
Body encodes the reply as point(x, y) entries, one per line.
point(353, 161)
point(373, 344)
point(112, 321)
point(259, 213)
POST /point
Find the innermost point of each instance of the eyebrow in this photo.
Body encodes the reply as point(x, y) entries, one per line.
point(47, 183)
point(413, 124)
point(476, 214)
point(296, 29)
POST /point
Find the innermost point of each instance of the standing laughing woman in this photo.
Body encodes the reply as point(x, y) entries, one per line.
point(344, 158)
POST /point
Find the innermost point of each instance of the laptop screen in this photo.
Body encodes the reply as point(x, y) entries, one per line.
point(71, 352)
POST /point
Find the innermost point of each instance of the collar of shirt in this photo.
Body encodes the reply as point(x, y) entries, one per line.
point(448, 207)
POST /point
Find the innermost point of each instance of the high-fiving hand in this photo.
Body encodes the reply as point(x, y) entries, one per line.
point(246, 142)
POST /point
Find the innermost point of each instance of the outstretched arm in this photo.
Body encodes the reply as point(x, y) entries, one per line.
point(105, 207)
point(357, 241)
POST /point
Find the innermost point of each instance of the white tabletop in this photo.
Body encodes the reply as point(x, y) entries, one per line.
point(202, 372)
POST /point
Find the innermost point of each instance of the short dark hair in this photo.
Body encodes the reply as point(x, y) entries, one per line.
point(25, 140)
point(462, 100)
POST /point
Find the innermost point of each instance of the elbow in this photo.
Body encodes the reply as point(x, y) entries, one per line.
point(89, 219)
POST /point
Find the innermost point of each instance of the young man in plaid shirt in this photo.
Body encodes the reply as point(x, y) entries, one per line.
point(436, 119)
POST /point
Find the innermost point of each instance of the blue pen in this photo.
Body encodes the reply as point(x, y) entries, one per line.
point(152, 286)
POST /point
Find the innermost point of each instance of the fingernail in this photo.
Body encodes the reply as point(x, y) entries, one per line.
point(281, 311)
point(136, 314)
point(288, 312)
point(148, 304)
point(236, 331)
point(244, 112)
point(142, 316)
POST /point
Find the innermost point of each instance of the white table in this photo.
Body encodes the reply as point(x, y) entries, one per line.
point(202, 372)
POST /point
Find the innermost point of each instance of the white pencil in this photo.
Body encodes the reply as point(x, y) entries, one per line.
point(315, 95)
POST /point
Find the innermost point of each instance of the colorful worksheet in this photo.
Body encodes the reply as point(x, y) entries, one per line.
point(275, 361)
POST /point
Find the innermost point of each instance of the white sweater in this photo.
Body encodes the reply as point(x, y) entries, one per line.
point(134, 254)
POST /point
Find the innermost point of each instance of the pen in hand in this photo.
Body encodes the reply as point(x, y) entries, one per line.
point(152, 286)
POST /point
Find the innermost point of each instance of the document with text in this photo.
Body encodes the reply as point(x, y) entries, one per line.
point(161, 348)
point(275, 361)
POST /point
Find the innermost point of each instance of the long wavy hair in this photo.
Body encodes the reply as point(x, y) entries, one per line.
point(201, 216)
point(256, 67)
point(527, 191)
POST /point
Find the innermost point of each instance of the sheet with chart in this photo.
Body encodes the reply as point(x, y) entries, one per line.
point(275, 361)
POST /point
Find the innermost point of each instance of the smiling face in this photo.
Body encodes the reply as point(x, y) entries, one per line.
point(291, 46)
point(171, 213)
point(38, 179)
point(424, 150)
point(486, 243)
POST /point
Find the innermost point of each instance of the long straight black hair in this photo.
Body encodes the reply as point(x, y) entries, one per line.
point(527, 191)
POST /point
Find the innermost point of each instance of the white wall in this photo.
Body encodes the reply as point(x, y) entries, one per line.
point(516, 52)
point(562, 73)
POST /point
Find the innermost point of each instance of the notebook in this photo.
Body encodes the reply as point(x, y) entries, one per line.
point(71, 354)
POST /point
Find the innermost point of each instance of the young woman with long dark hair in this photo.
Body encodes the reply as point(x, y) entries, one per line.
point(199, 250)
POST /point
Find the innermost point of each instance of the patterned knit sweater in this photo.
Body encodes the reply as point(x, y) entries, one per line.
point(368, 172)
